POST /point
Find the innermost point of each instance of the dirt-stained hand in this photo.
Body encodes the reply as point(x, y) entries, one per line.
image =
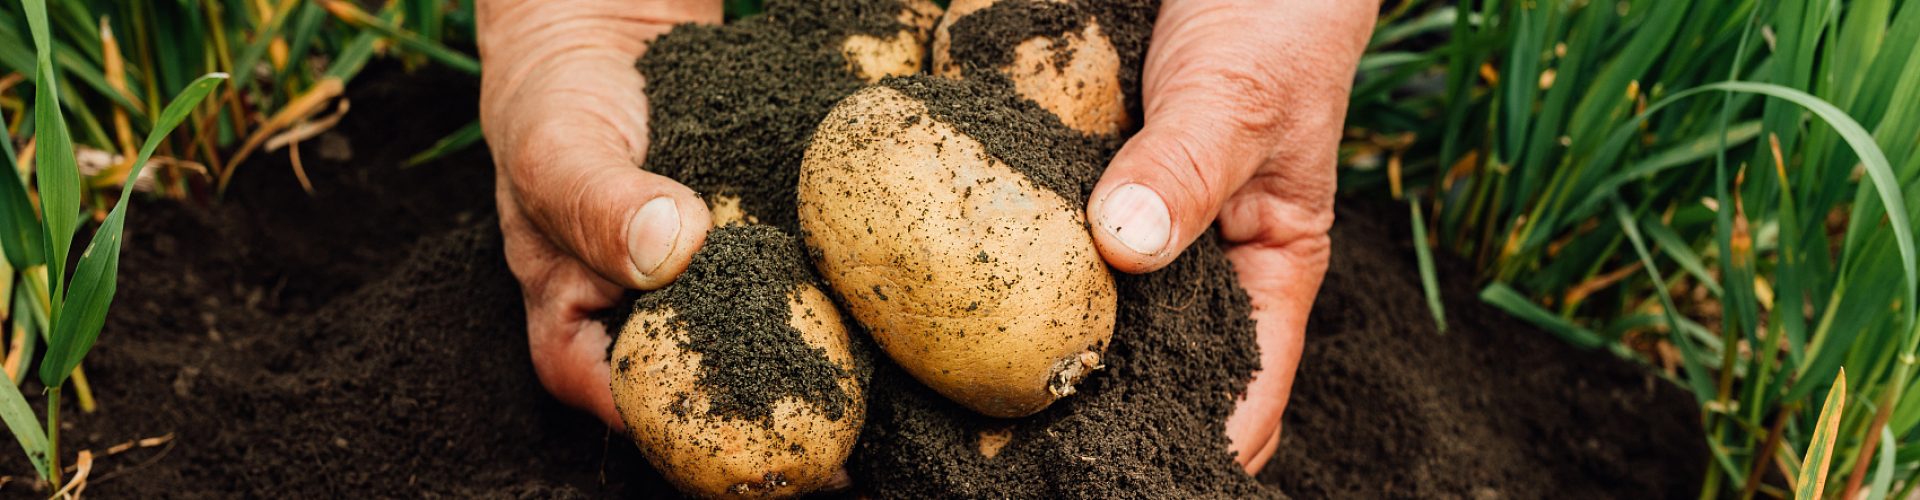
point(1244, 103)
point(564, 111)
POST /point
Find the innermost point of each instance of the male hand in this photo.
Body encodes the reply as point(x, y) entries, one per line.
point(1244, 104)
point(566, 116)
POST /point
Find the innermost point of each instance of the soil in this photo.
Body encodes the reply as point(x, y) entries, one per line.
point(369, 341)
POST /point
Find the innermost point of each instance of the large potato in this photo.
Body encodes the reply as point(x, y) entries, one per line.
point(983, 285)
point(796, 448)
point(1075, 75)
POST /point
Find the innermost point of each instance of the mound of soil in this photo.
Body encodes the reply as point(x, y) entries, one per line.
point(368, 341)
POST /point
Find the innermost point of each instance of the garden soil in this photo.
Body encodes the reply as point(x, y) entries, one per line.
point(368, 341)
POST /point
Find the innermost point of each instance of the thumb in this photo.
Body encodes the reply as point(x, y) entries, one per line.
point(636, 228)
point(1167, 183)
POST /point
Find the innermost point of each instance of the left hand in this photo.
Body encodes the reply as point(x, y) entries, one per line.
point(1244, 102)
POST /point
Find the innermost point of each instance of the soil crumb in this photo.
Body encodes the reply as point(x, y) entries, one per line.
point(734, 305)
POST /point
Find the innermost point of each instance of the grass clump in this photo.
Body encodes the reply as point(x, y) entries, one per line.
point(1722, 189)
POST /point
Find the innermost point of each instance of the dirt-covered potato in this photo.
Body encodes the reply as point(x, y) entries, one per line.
point(901, 54)
point(976, 280)
point(740, 379)
point(1054, 53)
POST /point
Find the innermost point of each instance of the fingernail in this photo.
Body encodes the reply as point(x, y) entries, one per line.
point(654, 231)
point(1137, 217)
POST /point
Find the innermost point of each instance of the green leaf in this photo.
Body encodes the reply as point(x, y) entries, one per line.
point(1504, 297)
point(59, 177)
point(77, 326)
point(20, 235)
point(24, 425)
point(1883, 469)
point(1678, 250)
point(453, 143)
point(1698, 379)
point(1813, 469)
point(1424, 256)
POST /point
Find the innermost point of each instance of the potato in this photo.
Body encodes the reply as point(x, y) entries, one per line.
point(796, 447)
point(904, 53)
point(1075, 75)
point(981, 284)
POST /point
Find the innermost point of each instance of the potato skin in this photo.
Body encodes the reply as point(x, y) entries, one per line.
point(798, 450)
point(979, 283)
point(1084, 92)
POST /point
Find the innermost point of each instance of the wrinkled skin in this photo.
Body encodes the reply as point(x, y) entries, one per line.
point(1244, 103)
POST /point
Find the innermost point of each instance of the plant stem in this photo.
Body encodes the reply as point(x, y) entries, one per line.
point(53, 436)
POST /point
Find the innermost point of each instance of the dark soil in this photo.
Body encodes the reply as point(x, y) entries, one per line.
point(1386, 407)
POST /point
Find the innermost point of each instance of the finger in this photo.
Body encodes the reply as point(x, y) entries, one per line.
point(1281, 281)
point(1210, 114)
point(568, 347)
point(570, 358)
point(578, 185)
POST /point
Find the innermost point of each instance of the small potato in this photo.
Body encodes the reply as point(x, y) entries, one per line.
point(981, 284)
point(1075, 75)
point(796, 448)
point(902, 54)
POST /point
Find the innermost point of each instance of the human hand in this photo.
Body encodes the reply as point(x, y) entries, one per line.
point(1244, 103)
point(565, 114)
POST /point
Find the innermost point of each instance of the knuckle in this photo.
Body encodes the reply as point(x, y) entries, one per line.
point(1187, 163)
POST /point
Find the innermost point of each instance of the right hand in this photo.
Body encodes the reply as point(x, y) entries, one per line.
point(565, 114)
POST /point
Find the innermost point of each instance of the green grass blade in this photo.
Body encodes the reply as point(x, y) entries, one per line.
point(1682, 154)
point(1507, 299)
point(24, 425)
point(77, 326)
point(383, 26)
point(58, 176)
point(458, 141)
point(1697, 377)
point(20, 235)
point(1883, 471)
point(1813, 469)
point(1424, 256)
point(1678, 250)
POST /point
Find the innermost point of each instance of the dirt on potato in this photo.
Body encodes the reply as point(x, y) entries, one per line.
point(733, 303)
